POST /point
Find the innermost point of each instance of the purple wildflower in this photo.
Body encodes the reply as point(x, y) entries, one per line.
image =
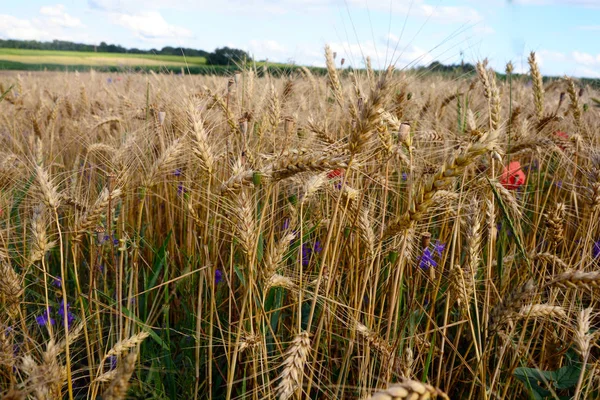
point(596, 249)
point(57, 282)
point(286, 224)
point(427, 260)
point(218, 276)
point(317, 247)
point(177, 172)
point(439, 247)
point(70, 315)
point(113, 362)
point(308, 250)
point(404, 176)
point(109, 80)
point(181, 189)
point(44, 319)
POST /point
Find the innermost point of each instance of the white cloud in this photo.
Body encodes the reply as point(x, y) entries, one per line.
point(571, 3)
point(420, 8)
point(56, 15)
point(23, 29)
point(585, 58)
point(589, 28)
point(587, 72)
point(150, 26)
point(403, 55)
point(548, 56)
point(482, 29)
point(270, 49)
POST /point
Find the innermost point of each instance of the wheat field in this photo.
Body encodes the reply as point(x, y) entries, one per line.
point(361, 235)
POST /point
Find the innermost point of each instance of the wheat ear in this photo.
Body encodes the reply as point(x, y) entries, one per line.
point(93, 216)
point(293, 366)
point(409, 390)
point(11, 288)
point(576, 280)
point(538, 86)
point(334, 79)
point(118, 388)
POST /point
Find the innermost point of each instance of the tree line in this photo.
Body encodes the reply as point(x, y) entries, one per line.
point(220, 56)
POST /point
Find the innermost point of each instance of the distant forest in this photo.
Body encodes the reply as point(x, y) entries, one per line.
point(221, 56)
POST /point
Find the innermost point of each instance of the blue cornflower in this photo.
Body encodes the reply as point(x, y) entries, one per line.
point(44, 319)
point(177, 172)
point(218, 276)
point(439, 247)
point(57, 282)
point(113, 362)
point(70, 315)
point(404, 176)
point(181, 189)
point(427, 260)
point(308, 250)
point(317, 247)
point(596, 249)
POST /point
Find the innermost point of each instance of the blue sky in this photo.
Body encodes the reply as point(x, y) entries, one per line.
point(564, 33)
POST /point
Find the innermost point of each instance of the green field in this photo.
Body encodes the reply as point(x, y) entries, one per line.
point(95, 59)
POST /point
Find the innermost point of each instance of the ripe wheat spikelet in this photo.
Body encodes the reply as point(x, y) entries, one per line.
point(583, 337)
point(491, 92)
point(541, 311)
point(48, 377)
point(554, 222)
point(293, 164)
point(245, 222)
point(125, 345)
point(120, 383)
point(574, 102)
point(14, 394)
point(576, 280)
point(538, 86)
point(200, 142)
point(93, 215)
point(462, 280)
point(334, 79)
point(374, 340)
point(11, 288)
point(550, 259)
point(511, 304)
point(370, 113)
point(167, 162)
point(423, 198)
point(409, 390)
point(49, 192)
point(274, 256)
point(293, 366)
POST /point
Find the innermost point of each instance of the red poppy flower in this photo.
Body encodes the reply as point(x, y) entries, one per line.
point(513, 177)
point(562, 135)
point(335, 173)
point(562, 138)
